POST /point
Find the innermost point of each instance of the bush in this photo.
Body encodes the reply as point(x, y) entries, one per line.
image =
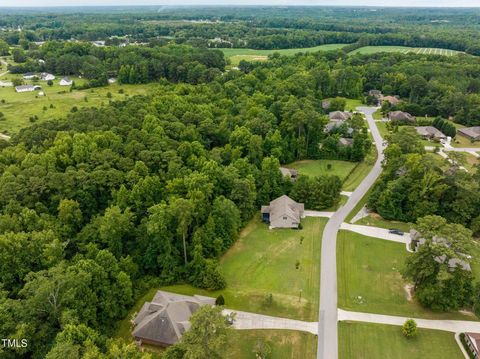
point(220, 300)
point(409, 328)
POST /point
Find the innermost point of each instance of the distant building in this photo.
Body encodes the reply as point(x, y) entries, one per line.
point(402, 117)
point(112, 80)
point(98, 43)
point(163, 321)
point(339, 116)
point(333, 125)
point(345, 142)
point(66, 82)
point(392, 100)
point(283, 212)
point(29, 75)
point(288, 172)
point(472, 133)
point(430, 133)
point(27, 88)
point(473, 342)
point(45, 76)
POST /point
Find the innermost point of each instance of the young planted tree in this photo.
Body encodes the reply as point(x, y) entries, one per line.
point(409, 328)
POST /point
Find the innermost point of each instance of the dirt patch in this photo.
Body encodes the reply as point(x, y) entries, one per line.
point(409, 291)
point(468, 313)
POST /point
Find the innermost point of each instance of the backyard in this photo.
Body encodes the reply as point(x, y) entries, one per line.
point(369, 278)
point(377, 341)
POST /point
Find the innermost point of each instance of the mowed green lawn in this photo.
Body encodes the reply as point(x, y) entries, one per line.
point(262, 262)
point(369, 278)
point(376, 341)
point(19, 107)
point(367, 50)
point(284, 344)
point(316, 168)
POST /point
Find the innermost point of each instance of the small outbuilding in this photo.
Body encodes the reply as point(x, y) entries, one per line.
point(283, 212)
point(66, 81)
point(27, 88)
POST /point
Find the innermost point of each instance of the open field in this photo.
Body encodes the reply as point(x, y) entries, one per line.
point(238, 54)
point(57, 102)
point(376, 341)
point(316, 168)
point(285, 344)
point(262, 262)
point(367, 50)
point(369, 278)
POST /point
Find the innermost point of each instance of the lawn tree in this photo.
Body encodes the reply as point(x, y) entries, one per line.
point(261, 349)
point(207, 337)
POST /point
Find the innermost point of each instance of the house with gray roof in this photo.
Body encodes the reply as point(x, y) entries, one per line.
point(472, 133)
point(346, 142)
point(430, 133)
point(163, 321)
point(339, 116)
point(283, 212)
point(27, 88)
point(402, 117)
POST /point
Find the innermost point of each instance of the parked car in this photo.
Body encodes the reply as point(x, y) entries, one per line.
point(395, 231)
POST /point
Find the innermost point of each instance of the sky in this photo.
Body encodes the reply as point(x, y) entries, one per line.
point(405, 3)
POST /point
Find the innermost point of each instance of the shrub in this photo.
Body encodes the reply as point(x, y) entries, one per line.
point(409, 328)
point(220, 300)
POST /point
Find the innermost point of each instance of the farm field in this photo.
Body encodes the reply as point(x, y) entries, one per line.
point(366, 50)
point(377, 341)
point(370, 280)
point(284, 344)
point(238, 54)
point(260, 263)
point(57, 102)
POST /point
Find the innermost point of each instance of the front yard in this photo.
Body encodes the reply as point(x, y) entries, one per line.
point(369, 278)
point(377, 341)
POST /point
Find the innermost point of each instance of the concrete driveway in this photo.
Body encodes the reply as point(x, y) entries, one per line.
point(318, 214)
point(246, 320)
point(376, 232)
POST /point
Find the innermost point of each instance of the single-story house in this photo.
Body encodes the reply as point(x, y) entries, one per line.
point(339, 116)
point(430, 132)
point(472, 133)
point(346, 142)
point(392, 100)
point(27, 88)
point(283, 212)
point(402, 117)
point(29, 75)
point(163, 321)
point(45, 76)
point(332, 125)
point(288, 172)
point(473, 342)
point(66, 82)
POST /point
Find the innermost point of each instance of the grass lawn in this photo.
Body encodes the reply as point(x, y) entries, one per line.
point(367, 50)
point(377, 115)
point(360, 171)
point(461, 141)
point(369, 278)
point(375, 220)
point(262, 262)
point(285, 344)
point(316, 168)
point(377, 341)
point(19, 107)
point(382, 128)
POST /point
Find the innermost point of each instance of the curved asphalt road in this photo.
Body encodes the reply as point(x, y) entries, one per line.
point(327, 324)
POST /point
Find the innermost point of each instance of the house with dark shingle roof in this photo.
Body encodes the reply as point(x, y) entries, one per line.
point(402, 117)
point(163, 321)
point(283, 212)
point(430, 132)
point(339, 116)
point(472, 133)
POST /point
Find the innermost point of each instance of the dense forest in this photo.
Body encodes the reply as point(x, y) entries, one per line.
point(252, 27)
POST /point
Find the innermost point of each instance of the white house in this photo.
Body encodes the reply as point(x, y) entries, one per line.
point(29, 75)
point(66, 82)
point(27, 88)
point(45, 76)
point(112, 80)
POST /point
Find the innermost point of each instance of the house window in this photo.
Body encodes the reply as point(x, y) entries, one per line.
point(285, 218)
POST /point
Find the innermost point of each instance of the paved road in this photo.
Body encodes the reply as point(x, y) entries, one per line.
point(246, 320)
point(327, 327)
point(376, 232)
point(455, 326)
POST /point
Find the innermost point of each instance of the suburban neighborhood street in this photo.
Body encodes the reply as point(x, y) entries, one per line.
point(328, 319)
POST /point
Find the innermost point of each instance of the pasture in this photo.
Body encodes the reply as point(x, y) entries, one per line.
point(367, 50)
